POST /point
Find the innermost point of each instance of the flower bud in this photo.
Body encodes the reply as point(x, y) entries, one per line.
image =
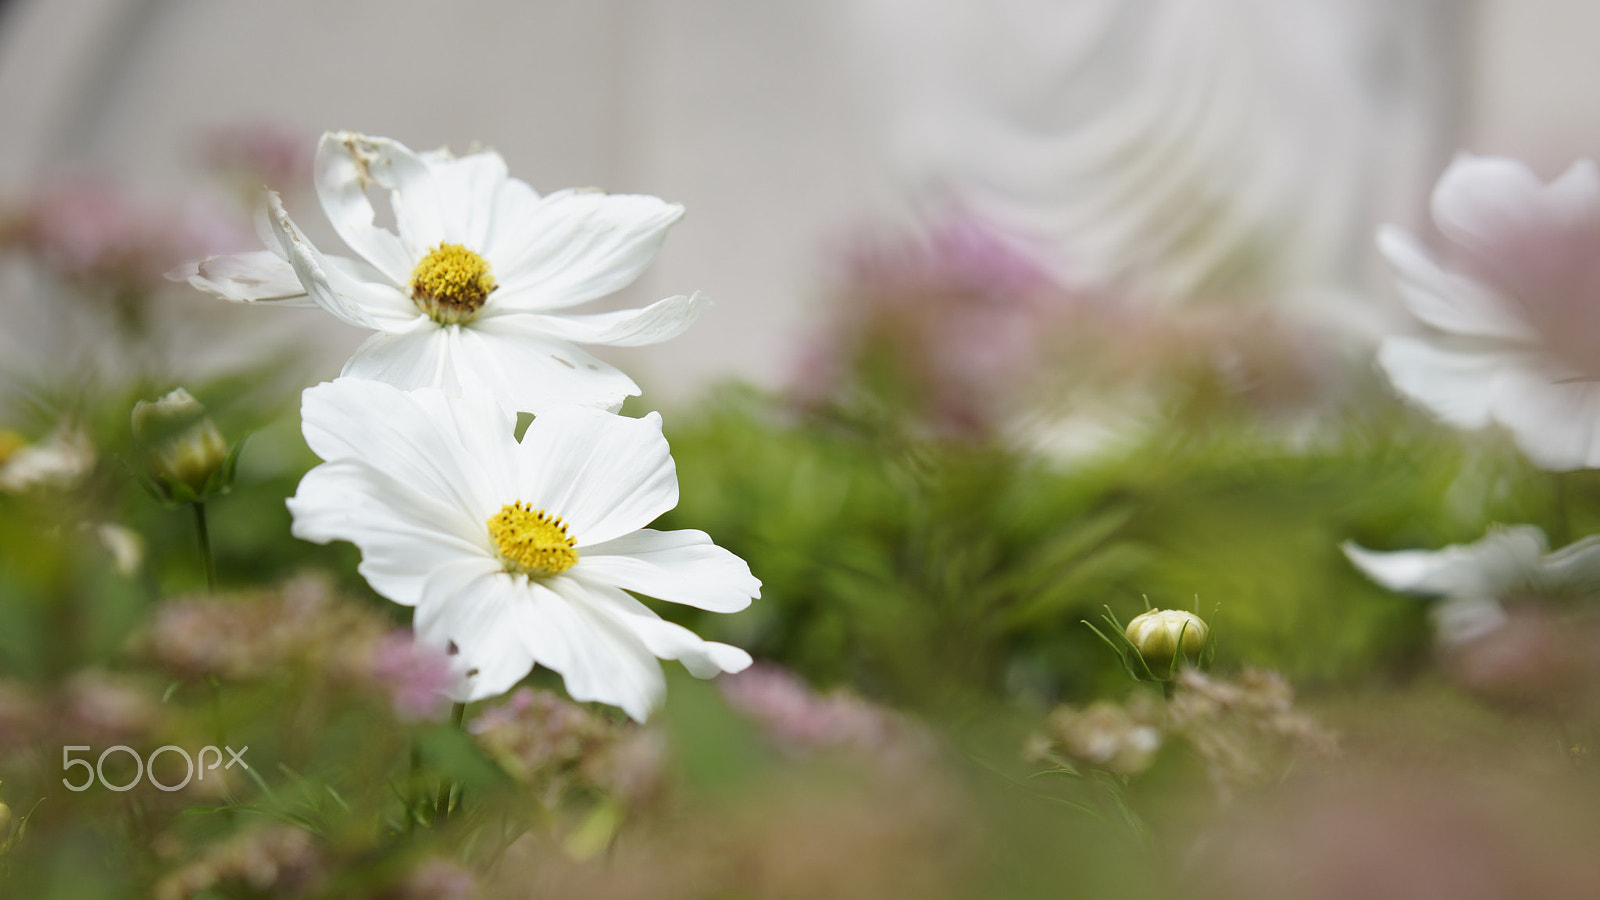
point(5, 818)
point(1157, 633)
point(184, 450)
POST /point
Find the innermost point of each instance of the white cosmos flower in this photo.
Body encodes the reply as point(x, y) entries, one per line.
point(1473, 580)
point(1517, 315)
point(518, 553)
point(468, 291)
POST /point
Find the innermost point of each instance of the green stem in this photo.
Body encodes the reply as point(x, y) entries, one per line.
point(1563, 516)
point(204, 534)
point(441, 805)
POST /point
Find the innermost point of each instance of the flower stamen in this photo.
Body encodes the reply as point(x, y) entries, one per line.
point(532, 542)
point(451, 283)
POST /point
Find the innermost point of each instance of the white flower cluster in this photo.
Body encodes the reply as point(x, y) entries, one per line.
point(514, 554)
point(1514, 341)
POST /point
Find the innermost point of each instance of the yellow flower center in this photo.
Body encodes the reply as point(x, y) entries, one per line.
point(531, 541)
point(451, 284)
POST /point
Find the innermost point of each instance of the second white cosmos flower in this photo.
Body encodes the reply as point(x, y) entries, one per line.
point(468, 291)
point(518, 553)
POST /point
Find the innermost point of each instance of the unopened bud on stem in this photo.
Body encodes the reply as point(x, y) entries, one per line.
point(1161, 634)
point(184, 451)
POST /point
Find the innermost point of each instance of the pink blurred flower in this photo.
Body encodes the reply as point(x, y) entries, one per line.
point(1517, 317)
point(956, 251)
point(799, 719)
point(87, 227)
point(266, 153)
point(964, 313)
point(416, 677)
point(545, 740)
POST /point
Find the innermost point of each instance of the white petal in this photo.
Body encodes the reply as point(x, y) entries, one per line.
point(484, 616)
point(667, 640)
point(660, 321)
point(574, 246)
point(342, 176)
point(1448, 301)
point(531, 371)
point(605, 475)
point(259, 275)
point(597, 657)
point(1574, 198)
point(1575, 568)
point(523, 373)
point(425, 357)
point(367, 304)
point(404, 535)
point(1457, 385)
point(457, 451)
point(1505, 559)
point(1464, 620)
point(413, 195)
point(469, 190)
point(1481, 199)
point(516, 202)
point(677, 566)
point(1557, 425)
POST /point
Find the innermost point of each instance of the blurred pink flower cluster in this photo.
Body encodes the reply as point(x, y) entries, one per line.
point(258, 153)
point(278, 861)
point(88, 227)
point(543, 739)
point(800, 720)
point(417, 677)
point(956, 252)
point(960, 327)
point(303, 623)
point(963, 313)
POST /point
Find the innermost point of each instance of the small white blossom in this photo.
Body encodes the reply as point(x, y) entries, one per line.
point(62, 461)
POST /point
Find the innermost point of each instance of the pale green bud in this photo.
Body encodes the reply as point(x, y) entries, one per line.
point(5, 818)
point(184, 450)
point(1157, 633)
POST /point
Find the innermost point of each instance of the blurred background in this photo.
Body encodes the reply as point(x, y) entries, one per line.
point(786, 128)
point(1028, 315)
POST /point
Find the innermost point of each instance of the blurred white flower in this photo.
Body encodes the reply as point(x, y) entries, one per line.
point(1473, 580)
point(518, 554)
point(125, 546)
point(467, 291)
point(1517, 325)
point(61, 461)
